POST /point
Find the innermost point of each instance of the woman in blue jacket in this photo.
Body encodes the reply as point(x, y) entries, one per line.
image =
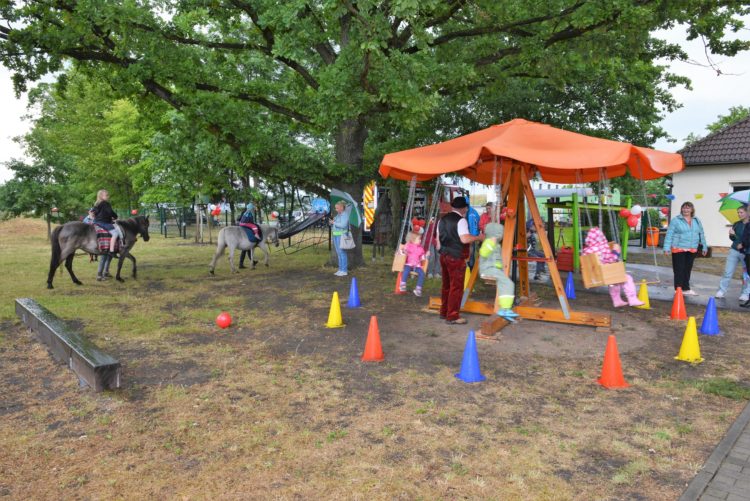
point(684, 237)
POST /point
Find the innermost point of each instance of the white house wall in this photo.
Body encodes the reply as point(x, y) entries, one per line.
point(702, 186)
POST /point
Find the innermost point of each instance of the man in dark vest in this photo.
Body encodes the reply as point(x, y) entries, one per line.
point(453, 245)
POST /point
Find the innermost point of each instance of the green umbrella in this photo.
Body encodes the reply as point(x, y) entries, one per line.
point(355, 219)
point(729, 208)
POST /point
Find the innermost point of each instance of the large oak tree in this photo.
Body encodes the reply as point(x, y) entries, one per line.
point(355, 78)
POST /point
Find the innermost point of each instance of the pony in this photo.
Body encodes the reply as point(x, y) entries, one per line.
point(77, 235)
point(235, 238)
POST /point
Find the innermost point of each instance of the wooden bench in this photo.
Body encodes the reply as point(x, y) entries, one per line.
point(97, 369)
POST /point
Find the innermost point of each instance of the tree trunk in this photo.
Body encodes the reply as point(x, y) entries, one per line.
point(350, 148)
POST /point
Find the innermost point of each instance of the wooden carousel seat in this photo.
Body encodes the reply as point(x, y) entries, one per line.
point(596, 274)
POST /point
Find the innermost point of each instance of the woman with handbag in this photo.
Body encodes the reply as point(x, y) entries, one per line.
point(685, 239)
point(341, 232)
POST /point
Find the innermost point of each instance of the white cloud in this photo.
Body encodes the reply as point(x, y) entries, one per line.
point(11, 124)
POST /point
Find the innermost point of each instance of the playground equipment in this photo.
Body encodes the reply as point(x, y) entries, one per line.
point(312, 229)
point(511, 153)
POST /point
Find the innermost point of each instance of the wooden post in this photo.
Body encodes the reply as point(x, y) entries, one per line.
point(576, 232)
point(554, 274)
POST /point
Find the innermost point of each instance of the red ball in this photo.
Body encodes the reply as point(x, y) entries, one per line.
point(224, 320)
point(632, 221)
point(134, 212)
point(624, 213)
point(665, 210)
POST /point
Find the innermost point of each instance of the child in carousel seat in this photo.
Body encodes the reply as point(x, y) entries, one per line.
point(596, 243)
point(415, 255)
point(491, 266)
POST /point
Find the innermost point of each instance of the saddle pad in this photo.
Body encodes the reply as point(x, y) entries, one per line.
point(103, 239)
point(253, 232)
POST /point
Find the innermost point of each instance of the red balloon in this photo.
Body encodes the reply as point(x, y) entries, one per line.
point(665, 210)
point(224, 320)
point(216, 211)
point(134, 212)
point(632, 221)
point(624, 213)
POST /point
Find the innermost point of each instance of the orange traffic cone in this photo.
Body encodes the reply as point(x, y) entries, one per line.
point(398, 290)
point(612, 370)
point(678, 306)
point(373, 349)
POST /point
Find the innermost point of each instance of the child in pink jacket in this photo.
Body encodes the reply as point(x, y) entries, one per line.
point(415, 254)
point(596, 243)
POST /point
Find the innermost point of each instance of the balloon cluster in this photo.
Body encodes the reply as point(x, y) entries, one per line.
point(417, 225)
point(632, 215)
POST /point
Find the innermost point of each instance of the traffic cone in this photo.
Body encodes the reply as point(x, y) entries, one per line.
point(710, 324)
point(611, 369)
point(398, 290)
point(690, 351)
point(470, 372)
point(373, 349)
point(678, 306)
point(570, 287)
point(643, 296)
point(353, 295)
point(334, 315)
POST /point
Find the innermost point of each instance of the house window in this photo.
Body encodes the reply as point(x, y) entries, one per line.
point(740, 187)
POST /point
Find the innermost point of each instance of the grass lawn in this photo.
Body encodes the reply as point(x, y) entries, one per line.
point(278, 406)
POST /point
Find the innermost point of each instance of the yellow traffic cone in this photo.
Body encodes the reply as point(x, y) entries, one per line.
point(334, 315)
point(467, 275)
point(690, 351)
point(643, 296)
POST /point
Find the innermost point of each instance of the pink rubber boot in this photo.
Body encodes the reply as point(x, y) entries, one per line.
point(630, 293)
point(614, 293)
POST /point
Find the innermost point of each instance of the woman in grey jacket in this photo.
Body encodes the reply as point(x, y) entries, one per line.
point(683, 239)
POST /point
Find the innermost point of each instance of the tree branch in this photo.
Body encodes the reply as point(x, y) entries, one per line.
point(266, 103)
point(270, 41)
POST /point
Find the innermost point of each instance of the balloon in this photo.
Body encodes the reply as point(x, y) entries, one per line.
point(632, 221)
point(624, 213)
point(224, 320)
point(134, 212)
point(274, 214)
point(665, 210)
point(216, 211)
point(636, 210)
point(671, 197)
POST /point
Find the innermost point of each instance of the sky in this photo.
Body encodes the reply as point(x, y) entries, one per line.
point(711, 95)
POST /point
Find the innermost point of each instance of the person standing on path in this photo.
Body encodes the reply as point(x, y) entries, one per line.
point(735, 256)
point(745, 247)
point(453, 245)
point(683, 239)
point(340, 224)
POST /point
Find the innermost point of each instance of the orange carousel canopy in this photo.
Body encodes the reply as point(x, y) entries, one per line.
point(560, 156)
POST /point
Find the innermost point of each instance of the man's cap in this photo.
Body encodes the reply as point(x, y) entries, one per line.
point(459, 203)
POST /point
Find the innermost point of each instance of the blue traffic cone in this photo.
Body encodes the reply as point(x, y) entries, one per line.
point(570, 288)
point(710, 325)
point(353, 295)
point(470, 372)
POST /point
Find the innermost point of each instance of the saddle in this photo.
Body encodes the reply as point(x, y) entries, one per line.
point(252, 231)
point(103, 239)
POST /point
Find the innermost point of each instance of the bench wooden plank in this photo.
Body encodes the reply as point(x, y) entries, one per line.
point(97, 369)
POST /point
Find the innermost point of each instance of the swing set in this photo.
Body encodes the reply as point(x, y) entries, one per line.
point(507, 156)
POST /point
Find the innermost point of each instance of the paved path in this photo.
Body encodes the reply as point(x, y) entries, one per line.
point(726, 474)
